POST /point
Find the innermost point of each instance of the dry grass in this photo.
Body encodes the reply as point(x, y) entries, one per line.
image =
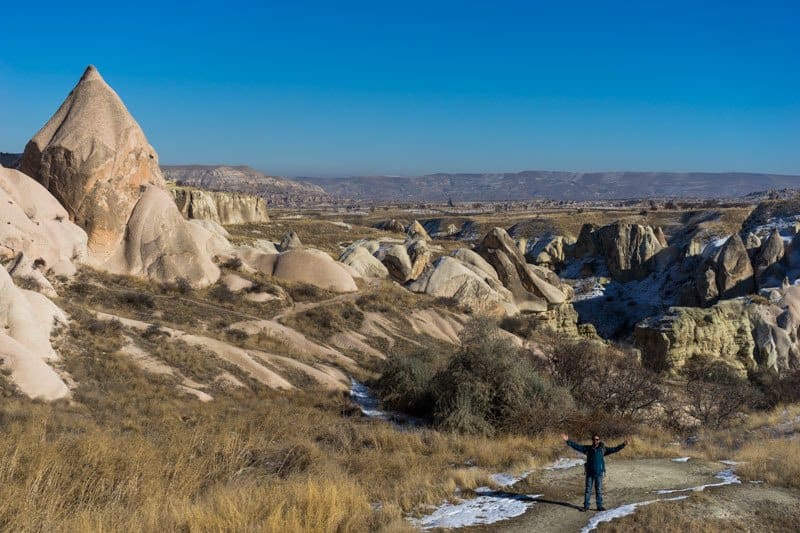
point(776, 462)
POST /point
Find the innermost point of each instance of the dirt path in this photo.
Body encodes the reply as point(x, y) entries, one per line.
point(627, 482)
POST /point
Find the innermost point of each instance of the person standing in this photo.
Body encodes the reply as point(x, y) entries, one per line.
point(595, 466)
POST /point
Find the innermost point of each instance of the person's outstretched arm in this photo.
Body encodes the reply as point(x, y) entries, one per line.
point(615, 449)
point(574, 445)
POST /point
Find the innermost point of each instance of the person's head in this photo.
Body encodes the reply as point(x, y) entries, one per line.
point(595, 440)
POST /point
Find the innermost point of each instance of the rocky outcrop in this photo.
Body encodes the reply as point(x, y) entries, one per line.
point(35, 231)
point(221, 207)
point(360, 259)
point(733, 269)
point(420, 256)
point(531, 288)
point(586, 246)
point(398, 263)
point(95, 159)
point(159, 244)
point(767, 261)
point(314, 267)
point(549, 252)
point(743, 333)
point(26, 322)
point(397, 226)
point(415, 230)
point(467, 284)
point(289, 241)
point(629, 249)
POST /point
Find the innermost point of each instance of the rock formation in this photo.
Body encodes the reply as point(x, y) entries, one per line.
point(530, 286)
point(313, 267)
point(629, 249)
point(95, 159)
point(733, 268)
point(358, 257)
point(289, 241)
point(415, 230)
point(766, 261)
point(743, 333)
point(221, 207)
point(398, 263)
point(35, 229)
point(26, 321)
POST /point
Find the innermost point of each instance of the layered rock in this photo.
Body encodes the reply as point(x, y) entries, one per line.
point(221, 207)
point(743, 333)
point(95, 159)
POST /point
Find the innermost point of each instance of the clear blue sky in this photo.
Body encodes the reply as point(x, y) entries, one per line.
point(406, 87)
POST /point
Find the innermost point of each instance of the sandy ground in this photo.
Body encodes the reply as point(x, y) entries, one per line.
point(632, 481)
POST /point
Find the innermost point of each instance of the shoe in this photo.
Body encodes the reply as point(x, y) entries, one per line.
point(583, 509)
point(601, 508)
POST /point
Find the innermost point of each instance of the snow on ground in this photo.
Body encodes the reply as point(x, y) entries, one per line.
point(489, 507)
point(619, 512)
point(681, 459)
point(727, 477)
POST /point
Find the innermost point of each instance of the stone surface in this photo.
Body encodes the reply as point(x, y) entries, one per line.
point(362, 261)
point(733, 268)
point(221, 207)
point(452, 278)
point(35, 228)
point(420, 256)
point(26, 322)
point(766, 262)
point(289, 241)
point(417, 231)
point(629, 249)
point(315, 268)
point(161, 245)
point(398, 263)
point(94, 158)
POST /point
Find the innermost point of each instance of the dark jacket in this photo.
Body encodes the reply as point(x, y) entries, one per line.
point(595, 462)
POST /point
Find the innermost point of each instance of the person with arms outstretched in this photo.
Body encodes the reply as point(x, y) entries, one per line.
point(595, 466)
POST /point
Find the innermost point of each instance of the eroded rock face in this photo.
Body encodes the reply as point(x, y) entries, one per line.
point(532, 289)
point(586, 244)
point(417, 231)
point(161, 245)
point(734, 271)
point(766, 262)
point(95, 159)
point(35, 228)
point(26, 321)
point(398, 263)
point(550, 253)
point(221, 207)
point(744, 333)
point(628, 249)
point(469, 285)
point(289, 241)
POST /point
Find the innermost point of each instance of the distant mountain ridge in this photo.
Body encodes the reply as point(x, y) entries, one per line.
point(275, 190)
point(500, 187)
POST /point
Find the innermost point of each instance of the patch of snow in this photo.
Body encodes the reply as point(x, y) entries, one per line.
point(506, 480)
point(619, 512)
point(565, 462)
point(730, 463)
point(727, 477)
point(715, 244)
point(681, 459)
point(489, 507)
point(756, 482)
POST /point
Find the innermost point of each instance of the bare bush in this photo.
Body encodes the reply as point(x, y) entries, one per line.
point(716, 395)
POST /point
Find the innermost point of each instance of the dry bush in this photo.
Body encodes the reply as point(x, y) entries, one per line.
point(715, 395)
point(325, 320)
point(772, 461)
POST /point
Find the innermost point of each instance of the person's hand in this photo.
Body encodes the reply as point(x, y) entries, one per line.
point(625, 442)
point(565, 437)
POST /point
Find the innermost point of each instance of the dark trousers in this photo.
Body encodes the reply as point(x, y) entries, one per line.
point(597, 481)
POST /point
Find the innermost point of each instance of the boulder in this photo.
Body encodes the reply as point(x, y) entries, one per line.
point(398, 263)
point(35, 229)
point(289, 241)
point(94, 158)
point(629, 249)
point(420, 257)
point(766, 261)
point(26, 323)
point(257, 259)
point(415, 230)
point(533, 290)
point(161, 245)
point(550, 252)
point(316, 268)
point(752, 242)
point(586, 245)
point(475, 261)
point(733, 268)
point(363, 262)
point(221, 207)
point(452, 278)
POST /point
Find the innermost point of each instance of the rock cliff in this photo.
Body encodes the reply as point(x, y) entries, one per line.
point(221, 207)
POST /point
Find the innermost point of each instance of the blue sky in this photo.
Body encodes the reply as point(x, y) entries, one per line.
point(350, 88)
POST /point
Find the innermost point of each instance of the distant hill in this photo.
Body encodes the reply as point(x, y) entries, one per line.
point(526, 185)
point(275, 190)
